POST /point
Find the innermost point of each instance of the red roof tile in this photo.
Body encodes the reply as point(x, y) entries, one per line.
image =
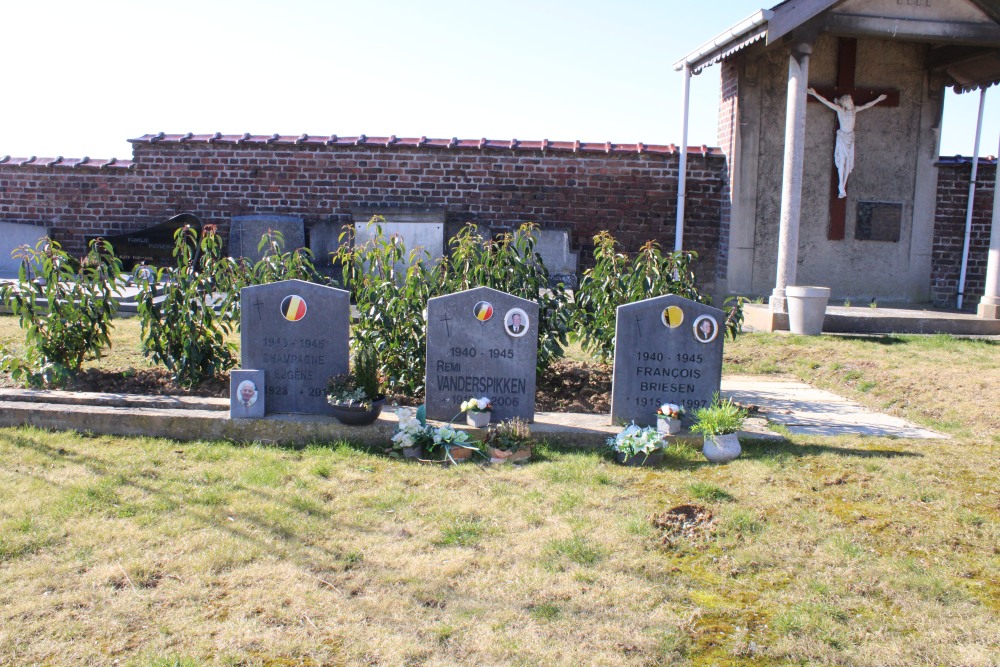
point(420, 142)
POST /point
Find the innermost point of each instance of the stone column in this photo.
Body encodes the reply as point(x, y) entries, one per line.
point(989, 305)
point(791, 178)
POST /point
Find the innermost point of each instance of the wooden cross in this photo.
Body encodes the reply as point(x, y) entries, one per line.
point(847, 57)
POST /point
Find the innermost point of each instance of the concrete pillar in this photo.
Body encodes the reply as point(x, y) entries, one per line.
point(791, 178)
point(989, 305)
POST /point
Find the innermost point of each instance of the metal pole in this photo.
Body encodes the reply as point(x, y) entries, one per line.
point(682, 163)
point(972, 195)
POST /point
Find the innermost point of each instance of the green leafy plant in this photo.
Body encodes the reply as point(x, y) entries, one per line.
point(186, 329)
point(65, 308)
point(617, 278)
point(722, 416)
point(635, 439)
point(510, 435)
point(277, 264)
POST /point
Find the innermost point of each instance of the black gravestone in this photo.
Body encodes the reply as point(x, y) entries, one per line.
point(297, 333)
point(481, 342)
point(154, 245)
point(667, 350)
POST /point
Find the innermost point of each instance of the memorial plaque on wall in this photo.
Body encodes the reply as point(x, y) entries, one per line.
point(481, 342)
point(878, 221)
point(667, 350)
point(154, 245)
point(297, 333)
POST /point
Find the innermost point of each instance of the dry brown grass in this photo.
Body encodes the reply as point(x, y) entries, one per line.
point(846, 551)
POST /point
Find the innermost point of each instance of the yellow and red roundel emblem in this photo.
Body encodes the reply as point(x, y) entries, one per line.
point(483, 311)
point(672, 317)
point(293, 307)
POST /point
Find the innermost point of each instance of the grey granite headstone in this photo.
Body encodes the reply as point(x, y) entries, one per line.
point(246, 394)
point(553, 246)
point(481, 342)
point(12, 236)
point(421, 228)
point(667, 350)
point(297, 333)
point(246, 231)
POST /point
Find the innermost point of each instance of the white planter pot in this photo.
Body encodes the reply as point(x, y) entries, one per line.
point(721, 448)
point(477, 419)
point(668, 426)
point(806, 309)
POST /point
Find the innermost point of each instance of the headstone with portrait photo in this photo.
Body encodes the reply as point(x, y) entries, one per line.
point(297, 333)
point(481, 343)
point(668, 349)
point(246, 394)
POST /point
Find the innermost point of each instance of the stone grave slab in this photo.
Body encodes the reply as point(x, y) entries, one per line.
point(553, 246)
point(297, 333)
point(417, 227)
point(668, 349)
point(481, 342)
point(246, 394)
point(153, 246)
point(15, 235)
point(246, 231)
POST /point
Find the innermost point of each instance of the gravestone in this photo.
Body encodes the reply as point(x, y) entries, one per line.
point(417, 227)
point(246, 394)
point(297, 333)
point(667, 350)
point(553, 246)
point(12, 236)
point(246, 231)
point(481, 342)
point(153, 246)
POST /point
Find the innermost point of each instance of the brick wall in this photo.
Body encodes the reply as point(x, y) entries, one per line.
point(632, 193)
point(949, 232)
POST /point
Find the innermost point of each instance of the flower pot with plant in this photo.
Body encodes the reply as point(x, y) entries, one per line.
point(638, 446)
point(477, 411)
point(668, 418)
point(356, 398)
point(412, 435)
point(719, 423)
point(450, 445)
point(509, 441)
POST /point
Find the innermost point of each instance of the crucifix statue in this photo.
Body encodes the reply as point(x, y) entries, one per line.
point(843, 152)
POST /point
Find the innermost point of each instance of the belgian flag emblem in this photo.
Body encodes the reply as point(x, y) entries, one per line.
point(672, 317)
point(483, 311)
point(293, 307)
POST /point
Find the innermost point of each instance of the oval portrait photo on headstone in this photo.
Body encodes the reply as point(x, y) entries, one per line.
point(247, 393)
point(706, 328)
point(483, 311)
point(515, 322)
point(672, 317)
point(293, 307)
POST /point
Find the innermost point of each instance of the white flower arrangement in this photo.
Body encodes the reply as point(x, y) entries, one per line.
point(410, 432)
point(477, 405)
point(636, 440)
point(670, 411)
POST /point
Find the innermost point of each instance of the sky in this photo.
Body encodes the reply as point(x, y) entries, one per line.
point(80, 78)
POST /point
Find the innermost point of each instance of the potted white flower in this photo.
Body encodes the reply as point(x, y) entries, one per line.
point(411, 434)
point(638, 446)
point(477, 411)
point(668, 418)
point(450, 443)
point(719, 423)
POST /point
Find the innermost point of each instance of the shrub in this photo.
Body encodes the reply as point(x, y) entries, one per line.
point(276, 264)
point(66, 311)
point(186, 330)
point(617, 279)
point(721, 417)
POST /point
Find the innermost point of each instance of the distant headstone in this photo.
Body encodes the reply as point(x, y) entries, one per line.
point(417, 227)
point(481, 342)
point(12, 236)
point(246, 394)
point(553, 246)
point(246, 231)
point(667, 350)
point(154, 245)
point(297, 333)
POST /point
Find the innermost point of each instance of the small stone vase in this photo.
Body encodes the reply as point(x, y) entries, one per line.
point(721, 448)
point(668, 426)
point(477, 419)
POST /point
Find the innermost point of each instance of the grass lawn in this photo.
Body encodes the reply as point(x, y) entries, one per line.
point(845, 551)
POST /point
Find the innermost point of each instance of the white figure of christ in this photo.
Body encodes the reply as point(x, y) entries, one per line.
point(843, 152)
